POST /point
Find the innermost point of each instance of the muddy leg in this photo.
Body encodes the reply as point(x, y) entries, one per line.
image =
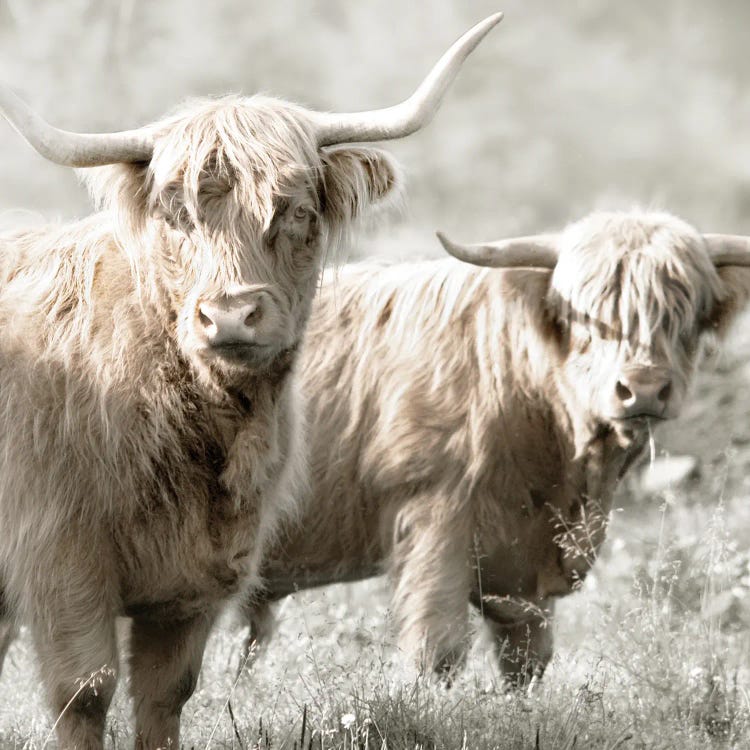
point(8, 629)
point(78, 663)
point(8, 633)
point(165, 661)
point(431, 572)
point(259, 617)
point(523, 650)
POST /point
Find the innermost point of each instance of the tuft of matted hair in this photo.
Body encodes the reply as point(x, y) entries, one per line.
point(635, 275)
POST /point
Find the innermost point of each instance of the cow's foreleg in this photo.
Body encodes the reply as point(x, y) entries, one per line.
point(432, 575)
point(78, 662)
point(8, 628)
point(165, 661)
point(8, 632)
point(261, 622)
point(523, 649)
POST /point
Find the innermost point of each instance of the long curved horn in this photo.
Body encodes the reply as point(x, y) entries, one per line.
point(73, 149)
point(728, 249)
point(412, 114)
point(538, 251)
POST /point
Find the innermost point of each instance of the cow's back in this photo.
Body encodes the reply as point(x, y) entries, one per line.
point(402, 404)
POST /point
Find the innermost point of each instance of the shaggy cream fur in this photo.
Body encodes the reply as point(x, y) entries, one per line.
point(462, 431)
point(139, 473)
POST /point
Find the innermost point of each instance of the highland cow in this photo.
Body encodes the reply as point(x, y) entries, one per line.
point(152, 435)
point(469, 425)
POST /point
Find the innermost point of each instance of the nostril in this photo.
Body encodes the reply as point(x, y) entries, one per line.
point(665, 392)
point(623, 392)
point(253, 316)
point(204, 319)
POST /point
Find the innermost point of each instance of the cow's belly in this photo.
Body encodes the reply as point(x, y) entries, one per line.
point(281, 581)
point(323, 548)
point(300, 561)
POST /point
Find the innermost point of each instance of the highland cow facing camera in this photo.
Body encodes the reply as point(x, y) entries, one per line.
point(152, 432)
point(469, 425)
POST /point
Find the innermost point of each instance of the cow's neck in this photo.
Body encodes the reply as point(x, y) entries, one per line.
point(237, 403)
point(570, 482)
point(599, 456)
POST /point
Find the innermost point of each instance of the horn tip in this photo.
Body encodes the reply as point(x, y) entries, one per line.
point(443, 239)
point(484, 27)
point(448, 246)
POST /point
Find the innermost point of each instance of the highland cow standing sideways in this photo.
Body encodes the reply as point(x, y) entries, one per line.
point(469, 425)
point(151, 433)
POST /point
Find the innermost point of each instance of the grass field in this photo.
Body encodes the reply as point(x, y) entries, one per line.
point(653, 653)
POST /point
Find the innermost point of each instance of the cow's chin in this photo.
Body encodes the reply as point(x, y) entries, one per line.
point(235, 366)
point(635, 429)
point(239, 357)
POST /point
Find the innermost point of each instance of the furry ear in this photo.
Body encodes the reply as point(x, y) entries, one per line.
point(355, 178)
point(117, 184)
point(123, 190)
point(736, 283)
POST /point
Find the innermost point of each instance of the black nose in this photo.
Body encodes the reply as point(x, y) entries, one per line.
point(643, 392)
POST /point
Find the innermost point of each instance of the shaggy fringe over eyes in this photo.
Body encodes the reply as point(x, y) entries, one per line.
point(637, 280)
point(258, 149)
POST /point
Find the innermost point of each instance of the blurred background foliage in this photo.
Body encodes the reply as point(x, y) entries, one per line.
point(564, 108)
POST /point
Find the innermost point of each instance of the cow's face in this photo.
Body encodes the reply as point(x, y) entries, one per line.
point(228, 206)
point(629, 300)
point(631, 296)
point(243, 205)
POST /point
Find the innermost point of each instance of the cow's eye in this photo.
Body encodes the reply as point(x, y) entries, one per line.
point(301, 213)
point(705, 323)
